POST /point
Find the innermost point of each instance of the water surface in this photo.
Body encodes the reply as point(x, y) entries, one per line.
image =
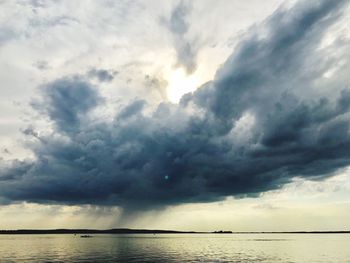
point(177, 248)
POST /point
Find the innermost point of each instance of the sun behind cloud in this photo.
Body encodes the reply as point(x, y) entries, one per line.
point(181, 83)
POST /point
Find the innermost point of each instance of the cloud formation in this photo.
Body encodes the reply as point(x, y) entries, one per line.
point(265, 119)
point(102, 75)
point(179, 26)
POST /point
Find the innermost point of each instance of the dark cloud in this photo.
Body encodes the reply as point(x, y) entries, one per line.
point(66, 100)
point(30, 132)
point(178, 26)
point(261, 122)
point(132, 109)
point(102, 75)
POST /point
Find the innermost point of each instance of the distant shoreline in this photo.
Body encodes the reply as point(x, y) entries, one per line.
point(95, 231)
point(149, 231)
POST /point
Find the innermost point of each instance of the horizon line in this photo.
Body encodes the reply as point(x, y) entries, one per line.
point(157, 231)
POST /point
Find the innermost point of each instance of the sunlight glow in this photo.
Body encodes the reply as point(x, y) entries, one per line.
point(181, 83)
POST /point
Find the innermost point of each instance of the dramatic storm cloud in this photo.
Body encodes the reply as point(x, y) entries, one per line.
point(272, 113)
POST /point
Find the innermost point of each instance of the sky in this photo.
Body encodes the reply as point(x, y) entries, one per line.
point(186, 115)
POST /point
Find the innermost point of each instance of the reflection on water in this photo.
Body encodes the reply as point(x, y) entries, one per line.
point(176, 248)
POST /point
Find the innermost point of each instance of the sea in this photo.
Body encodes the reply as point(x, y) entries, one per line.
point(176, 248)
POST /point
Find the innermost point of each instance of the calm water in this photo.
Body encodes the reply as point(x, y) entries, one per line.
point(176, 248)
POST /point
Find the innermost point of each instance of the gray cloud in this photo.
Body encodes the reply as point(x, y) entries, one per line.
point(42, 65)
point(261, 122)
point(5, 150)
point(6, 34)
point(102, 75)
point(66, 101)
point(158, 84)
point(178, 26)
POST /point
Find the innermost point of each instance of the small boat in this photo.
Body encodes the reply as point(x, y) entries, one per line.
point(85, 236)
